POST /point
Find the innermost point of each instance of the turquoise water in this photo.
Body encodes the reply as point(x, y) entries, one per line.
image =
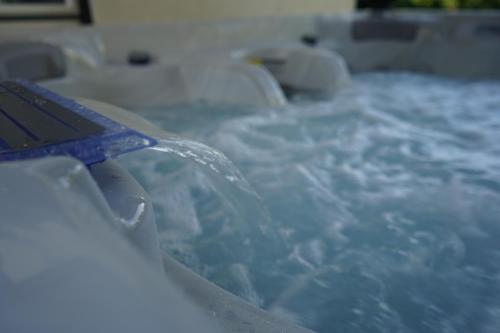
point(376, 211)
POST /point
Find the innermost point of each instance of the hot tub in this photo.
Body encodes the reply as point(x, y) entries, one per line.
point(372, 209)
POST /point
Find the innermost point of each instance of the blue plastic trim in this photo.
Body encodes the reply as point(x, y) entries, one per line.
point(116, 139)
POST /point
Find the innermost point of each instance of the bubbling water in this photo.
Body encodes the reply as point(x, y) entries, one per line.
point(379, 210)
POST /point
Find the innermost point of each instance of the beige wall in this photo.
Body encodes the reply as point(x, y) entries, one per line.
point(9, 30)
point(121, 11)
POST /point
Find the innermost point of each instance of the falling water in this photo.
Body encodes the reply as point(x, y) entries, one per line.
point(205, 156)
point(215, 216)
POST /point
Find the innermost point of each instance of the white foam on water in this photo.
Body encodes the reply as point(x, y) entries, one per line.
point(384, 203)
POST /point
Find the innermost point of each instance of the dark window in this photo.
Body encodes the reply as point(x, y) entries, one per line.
point(49, 10)
point(437, 4)
point(31, 1)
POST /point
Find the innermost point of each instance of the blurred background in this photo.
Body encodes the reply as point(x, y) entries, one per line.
point(72, 12)
point(153, 10)
point(86, 11)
